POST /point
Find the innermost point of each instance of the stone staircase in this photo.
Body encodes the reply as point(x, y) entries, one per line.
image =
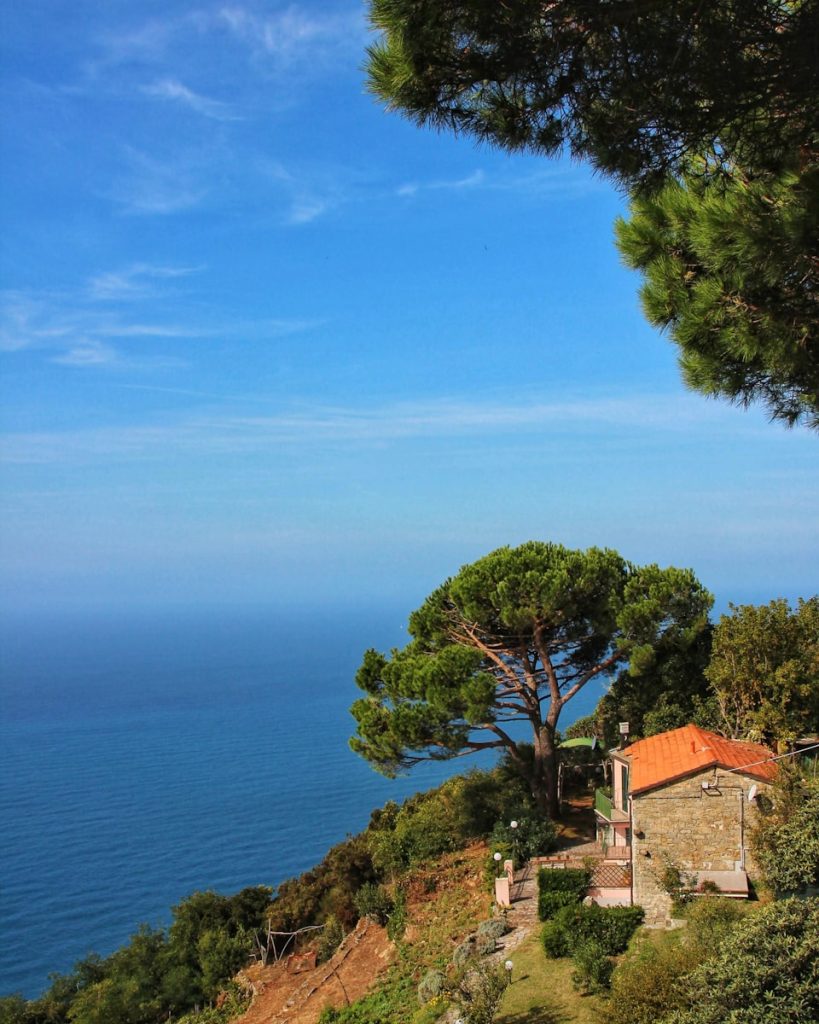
point(522, 915)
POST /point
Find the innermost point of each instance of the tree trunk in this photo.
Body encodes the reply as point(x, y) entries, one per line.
point(544, 774)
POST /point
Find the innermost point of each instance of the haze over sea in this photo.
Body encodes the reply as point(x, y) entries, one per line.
point(144, 757)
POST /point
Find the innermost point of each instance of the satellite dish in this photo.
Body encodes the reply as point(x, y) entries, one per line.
point(752, 793)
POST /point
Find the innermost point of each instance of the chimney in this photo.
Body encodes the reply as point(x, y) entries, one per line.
point(623, 735)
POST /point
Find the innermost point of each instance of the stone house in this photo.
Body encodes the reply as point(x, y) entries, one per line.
point(685, 799)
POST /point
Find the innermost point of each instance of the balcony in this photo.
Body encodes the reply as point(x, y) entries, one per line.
point(606, 809)
point(602, 804)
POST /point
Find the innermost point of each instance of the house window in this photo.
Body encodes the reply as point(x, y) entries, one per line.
point(624, 784)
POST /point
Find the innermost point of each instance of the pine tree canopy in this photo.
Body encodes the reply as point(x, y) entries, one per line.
point(635, 86)
point(706, 113)
point(732, 272)
point(511, 639)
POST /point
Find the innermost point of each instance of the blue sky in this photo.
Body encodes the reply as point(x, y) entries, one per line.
point(263, 341)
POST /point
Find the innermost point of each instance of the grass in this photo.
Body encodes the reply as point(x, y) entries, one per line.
point(542, 992)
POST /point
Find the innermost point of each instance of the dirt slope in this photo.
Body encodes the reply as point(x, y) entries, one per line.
point(300, 998)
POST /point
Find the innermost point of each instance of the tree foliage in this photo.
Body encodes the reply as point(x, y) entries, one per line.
point(705, 112)
point(512, 638)
point(764, 671)
point(666, 695)
point(786, 841)
point(157, 975)
point(732, 272)
point(650, 982)
point(765, 972)
point(635, 86)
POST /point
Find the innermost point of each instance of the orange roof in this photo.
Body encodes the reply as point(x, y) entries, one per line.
point(672, 755)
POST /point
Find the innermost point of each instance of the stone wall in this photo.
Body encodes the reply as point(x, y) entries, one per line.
point(694, 829)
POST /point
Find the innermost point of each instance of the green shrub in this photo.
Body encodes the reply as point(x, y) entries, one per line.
point(558, 889)
point(617, 925)
point(495, 927)
point(765, 972)
point(431, 985)
point(478, 994)
point(373, 901)
point(397, 921)
point(464, 952)
point(387, 1004)
point(448, 818)
point(576, 925)
point(646, 985)
point(331, 938)
point(328, 888)
point(555, 939)
point(678, 885)
point(786, 840)
point(549, 903)
point(574, 880)
point(592, 968)
point(430, 1012)
point(534, 835)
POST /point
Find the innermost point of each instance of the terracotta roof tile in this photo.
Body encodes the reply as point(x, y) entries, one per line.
point(672, 755)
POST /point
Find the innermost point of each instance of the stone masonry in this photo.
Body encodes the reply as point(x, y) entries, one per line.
point(693, 828)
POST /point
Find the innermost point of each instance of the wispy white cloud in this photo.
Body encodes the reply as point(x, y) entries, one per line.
point(294, 37)
point(175, 91)
point(646, 417)
point(308, 195)
point(93, 326)
point(88, 352)
point(137, 281)
point(145, 43)
point(156, 185)
point(474, 180)
point(554, 182)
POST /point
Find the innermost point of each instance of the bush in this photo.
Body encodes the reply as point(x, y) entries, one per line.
point(328, 888)
point(377, 1008)
point(555, 939)
point(678, 885)
point(765, 972)
point(464, 952)
point(648, 984)
point(617, 925)
point(495, 927)
point(331, 938)
point(574, 926)
point(549, 903)
point(592, 968)
point(485, 944)
point(786, 841)
point(534, 835)
point(373, 901)
point(397, 921)
point(478, 994)
point(430, 1012)
point(431, 985)
point(558, 889)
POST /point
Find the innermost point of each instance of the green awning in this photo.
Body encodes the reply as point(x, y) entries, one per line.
point(580, 741)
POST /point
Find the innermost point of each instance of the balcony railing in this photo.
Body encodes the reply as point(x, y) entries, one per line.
point(603, 804)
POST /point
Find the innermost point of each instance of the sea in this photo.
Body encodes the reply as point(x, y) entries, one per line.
point(147, 755)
